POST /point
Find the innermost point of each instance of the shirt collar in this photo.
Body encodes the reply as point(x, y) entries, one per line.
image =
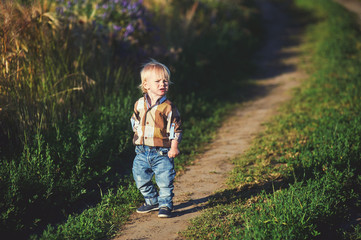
point(159, 101)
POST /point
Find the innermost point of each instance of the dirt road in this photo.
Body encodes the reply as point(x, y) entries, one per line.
point(278, 74)
point(353, 6)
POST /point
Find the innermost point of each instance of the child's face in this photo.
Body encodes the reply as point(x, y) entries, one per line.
point(156, 85)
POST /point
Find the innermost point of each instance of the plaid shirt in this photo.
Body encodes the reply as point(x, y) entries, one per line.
point(155, 125)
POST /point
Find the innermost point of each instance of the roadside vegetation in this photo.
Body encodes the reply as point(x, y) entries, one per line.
point(68, 81)
point(301, 179)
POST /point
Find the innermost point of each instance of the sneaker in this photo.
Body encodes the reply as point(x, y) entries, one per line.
point(164, 212)
point(147, 208)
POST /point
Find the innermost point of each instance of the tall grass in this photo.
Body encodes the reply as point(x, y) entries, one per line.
point(64, 122)
point(301, 180)
point(68, 83)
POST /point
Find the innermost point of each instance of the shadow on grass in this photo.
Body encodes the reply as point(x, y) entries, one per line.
point(228, 196)
point(283, 25)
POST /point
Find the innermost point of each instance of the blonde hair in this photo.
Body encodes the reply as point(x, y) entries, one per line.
point(153, 67)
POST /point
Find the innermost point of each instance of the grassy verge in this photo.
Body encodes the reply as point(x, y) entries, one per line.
point(301, 179)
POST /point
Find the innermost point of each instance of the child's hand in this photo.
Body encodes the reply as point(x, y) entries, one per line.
point(173, 152)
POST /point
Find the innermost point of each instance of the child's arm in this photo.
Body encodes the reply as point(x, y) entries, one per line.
point(135, 118)
point(174, 151)
point(175, 132)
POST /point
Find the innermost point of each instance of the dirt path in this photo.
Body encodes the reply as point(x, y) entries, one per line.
point(352, 6)
point(277, 76)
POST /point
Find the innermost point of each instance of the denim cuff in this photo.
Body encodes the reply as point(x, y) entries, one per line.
point(151, 201)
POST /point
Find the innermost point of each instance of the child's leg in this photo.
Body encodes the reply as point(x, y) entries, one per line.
point(143, 173)
point(163, 167)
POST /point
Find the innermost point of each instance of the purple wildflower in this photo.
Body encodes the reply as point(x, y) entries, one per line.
point(131, 7)
point(125, 3)
point(128, 30)
point(60, 10)
point(117, 28)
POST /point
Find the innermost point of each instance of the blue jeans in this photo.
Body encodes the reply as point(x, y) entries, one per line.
point(151, 161)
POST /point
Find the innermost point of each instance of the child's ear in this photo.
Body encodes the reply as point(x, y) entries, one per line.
point(145, 85)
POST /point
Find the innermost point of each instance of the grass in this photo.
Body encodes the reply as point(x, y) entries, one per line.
point(301, 179)
point(99, 221)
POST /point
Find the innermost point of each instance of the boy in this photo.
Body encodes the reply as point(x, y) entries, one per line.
point(156, 124)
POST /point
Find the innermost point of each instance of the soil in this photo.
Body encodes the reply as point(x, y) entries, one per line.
point(277, 76)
